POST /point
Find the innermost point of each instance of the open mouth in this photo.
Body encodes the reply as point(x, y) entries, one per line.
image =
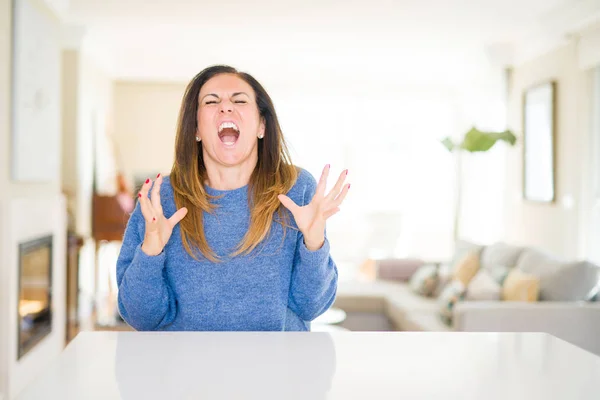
point(229, 133)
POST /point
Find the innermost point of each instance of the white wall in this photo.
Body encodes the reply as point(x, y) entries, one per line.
point(555, 227)
point(26, 211)
point(4, 183)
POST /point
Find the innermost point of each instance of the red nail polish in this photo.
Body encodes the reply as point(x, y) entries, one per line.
point(348, 186)
point(157, 175)
point(346, 172)
point(153, 219)
point(140, 195)
point(147, 180)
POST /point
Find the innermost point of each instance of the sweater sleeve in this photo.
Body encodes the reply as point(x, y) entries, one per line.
point(314, 278)
point(314, 281)
point(145, 299)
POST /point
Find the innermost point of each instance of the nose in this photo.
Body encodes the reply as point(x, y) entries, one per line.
point(226, 107)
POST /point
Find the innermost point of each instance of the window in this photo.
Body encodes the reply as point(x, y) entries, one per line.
point(401, 200)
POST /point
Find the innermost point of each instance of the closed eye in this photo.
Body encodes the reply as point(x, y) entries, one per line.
point(211, 102)
point(240, 101)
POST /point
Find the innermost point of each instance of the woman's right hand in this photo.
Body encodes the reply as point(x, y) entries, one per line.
point(158, 228)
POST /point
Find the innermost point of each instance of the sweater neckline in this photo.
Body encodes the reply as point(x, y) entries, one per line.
point(217, 192)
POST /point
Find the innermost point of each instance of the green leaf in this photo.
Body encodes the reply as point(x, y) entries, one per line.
point(448, 144)
point(479, 141)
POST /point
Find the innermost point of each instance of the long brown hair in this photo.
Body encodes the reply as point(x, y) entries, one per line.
point(274, 173)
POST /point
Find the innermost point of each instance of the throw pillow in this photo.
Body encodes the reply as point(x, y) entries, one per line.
point(483, 287)
point(466, 269)
point(453, 292)
point(578, 281)
point(463, 248)
point(560, 280)
point(444, 277)
point(498, 273)
point(500, 253)
point(520, 286)
point(424, 280)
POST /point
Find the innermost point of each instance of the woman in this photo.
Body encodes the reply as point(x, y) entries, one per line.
point(210, 247)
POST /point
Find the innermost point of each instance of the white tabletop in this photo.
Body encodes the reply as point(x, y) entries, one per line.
point(340, 365)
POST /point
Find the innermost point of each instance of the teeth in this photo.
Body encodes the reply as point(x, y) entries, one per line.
point(229, 125)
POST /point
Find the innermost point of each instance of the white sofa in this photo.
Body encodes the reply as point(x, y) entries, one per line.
point(392, 305)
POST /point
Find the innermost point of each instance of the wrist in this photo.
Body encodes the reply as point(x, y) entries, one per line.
point(314, 245)
point(149, 251)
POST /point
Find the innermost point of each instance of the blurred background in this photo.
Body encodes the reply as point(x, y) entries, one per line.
point(90, 97)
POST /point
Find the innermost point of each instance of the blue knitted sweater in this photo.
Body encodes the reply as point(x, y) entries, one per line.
point(280, 286)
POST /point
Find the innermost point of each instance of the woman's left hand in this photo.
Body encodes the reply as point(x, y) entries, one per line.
point(311, 217)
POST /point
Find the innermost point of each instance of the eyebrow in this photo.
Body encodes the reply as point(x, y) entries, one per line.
point(233, 95)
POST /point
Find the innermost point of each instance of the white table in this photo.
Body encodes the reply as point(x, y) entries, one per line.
point(344, 365)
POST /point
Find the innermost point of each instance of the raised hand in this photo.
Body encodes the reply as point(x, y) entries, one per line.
point(158, 228)
point(311, 218)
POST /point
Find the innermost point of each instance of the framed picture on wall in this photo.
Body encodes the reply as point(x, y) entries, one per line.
point(539, 143)
point(35, 94)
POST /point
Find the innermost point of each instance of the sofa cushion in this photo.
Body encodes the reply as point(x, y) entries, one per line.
point(520, 286)
point(400, 269)
point(498, 273)
point(461, 249)
point(483, 287)
point(403, 299)
point(444, 276)
point(452, 293)
point(424, 322)
point(577, 281)
point(560, 280)
point(500, 255)
point(424, 281)
point(404, 302)
point(467, 268)
point(362, 296)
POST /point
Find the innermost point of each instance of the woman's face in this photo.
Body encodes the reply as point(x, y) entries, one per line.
point(228, 120)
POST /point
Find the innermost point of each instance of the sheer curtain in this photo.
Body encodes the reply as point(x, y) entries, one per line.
point(401, 200)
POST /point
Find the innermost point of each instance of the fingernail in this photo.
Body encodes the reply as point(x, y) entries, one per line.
point(328, 165)
point(153, 219)
point(348, 186)
point(140, 195)
point(147, 180)
point(346, 172)
point(157, 175)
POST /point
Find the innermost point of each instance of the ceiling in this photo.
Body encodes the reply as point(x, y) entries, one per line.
point(384, 41)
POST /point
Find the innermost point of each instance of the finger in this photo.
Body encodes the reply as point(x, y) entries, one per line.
point(331, 213)
point(155, 196)
point(178, 216)
point(288, 203)
point(145, 205)
point(338, 186)
point(322, 181)
point(338, 200)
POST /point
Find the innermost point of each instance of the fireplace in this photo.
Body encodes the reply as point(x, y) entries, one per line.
point(35, 293)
